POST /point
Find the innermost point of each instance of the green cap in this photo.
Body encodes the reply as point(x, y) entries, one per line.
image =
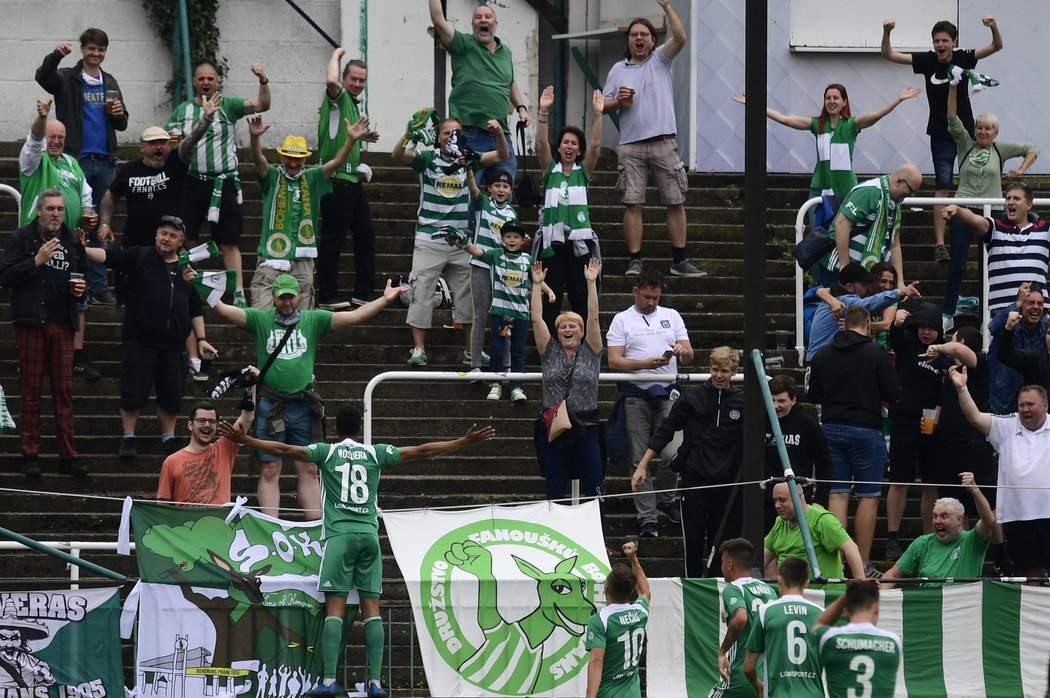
point(285, 285)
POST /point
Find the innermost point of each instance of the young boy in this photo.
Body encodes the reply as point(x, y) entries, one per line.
point(493, 211)
point(626, 615)
point(510, 278)
point(443, 214)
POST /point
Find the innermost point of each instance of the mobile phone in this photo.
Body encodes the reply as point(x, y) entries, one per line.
point(669, 353)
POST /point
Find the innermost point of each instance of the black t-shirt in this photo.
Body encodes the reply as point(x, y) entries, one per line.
point(56, 277)
point(952, 427)
point(920, 379)
point(926, 64)
point(150, 194)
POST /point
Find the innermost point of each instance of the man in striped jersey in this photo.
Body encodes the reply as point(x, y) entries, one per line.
point(782, 636)
point(443, 216)
point(859, 659)
point(213, 189)
point(616, 634)
point(1018, 243)
point(352, 559)
point(741, 599)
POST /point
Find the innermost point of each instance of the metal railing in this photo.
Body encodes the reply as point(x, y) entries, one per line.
point(74, 548)
point(918, 201)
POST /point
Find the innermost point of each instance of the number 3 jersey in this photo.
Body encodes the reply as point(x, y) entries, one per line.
point(619, 629)
point(782, 633)
point(859, 660)
point(349, 481)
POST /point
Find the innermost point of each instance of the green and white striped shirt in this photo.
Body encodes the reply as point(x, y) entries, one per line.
point(565, 213)
point(443, 198)
point(491, 217)
point(511, 274)
point(216, 153)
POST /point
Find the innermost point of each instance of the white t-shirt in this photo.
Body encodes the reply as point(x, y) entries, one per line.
point(1024, 461)
point(652, 111)
point(646, 336)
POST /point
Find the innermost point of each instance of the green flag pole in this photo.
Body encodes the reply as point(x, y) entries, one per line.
point(65, 557)
point(789, 474)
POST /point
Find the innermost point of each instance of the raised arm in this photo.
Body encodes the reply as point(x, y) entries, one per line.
point(997, 39)
point(956, 350)
point(952, 110)
point(472, 185)
point(474, 435)
point(674, 45)
point(444, 29)
point(47, 73)
point(543, 144)
point(262, 101)
point(233, 432)
point(800, 122)
point(981, 421)
point(256, 128)
point(594, 329)
point(333, 77)
point(986, 525)
point(354, 133)
point(400, 153)
point(369, 310)
point(39, 126)
point(870, 118)
point(540, 333)
point(978, 224)
point(831, 614)
point(231, 314)
point(594, 146)
point(887, 51)
point(630, 549)
point(189, 143)
point(502, 151)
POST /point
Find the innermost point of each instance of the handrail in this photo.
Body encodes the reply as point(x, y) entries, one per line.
point(800, 231)
point(11, 191)
point(74, 548)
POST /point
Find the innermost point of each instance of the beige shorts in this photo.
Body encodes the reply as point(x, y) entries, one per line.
point(262, 284)
point(429, 261)
point(659, 158)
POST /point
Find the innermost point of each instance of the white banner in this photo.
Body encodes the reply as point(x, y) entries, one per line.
point(501, 595)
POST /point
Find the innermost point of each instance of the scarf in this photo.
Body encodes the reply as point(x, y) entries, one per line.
point(879, 233)
point(306, 239)
point(216, 192)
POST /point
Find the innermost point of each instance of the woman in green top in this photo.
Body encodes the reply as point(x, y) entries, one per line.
point(980, 176)
point(836, 132)
point(566, 242)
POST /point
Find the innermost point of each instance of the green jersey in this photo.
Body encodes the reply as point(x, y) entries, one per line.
point(749, 594)
point(834, 171)
point(928, 557)
point(444, 199)
point(875, 219)
point(511, 274)
point(481, 81)
point(782, 634)
point(619, 629)
point(216, 153)
point(331, 133)
point(290, 209)
point(62, 173)
point(349, 483)
point(859, 660)
point(490, 219)
point(293, 369)
point(785, 540)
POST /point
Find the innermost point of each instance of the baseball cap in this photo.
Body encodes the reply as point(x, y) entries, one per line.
point(511, 228)
point(853, 273)
point(493, 176)
point(155, 133)
point(286, 285)
point(173, 220)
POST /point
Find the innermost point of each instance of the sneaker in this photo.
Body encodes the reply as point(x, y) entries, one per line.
point(518, 395)
point(31, 466)
point(635, 268)
point(195, 372)
point(947, 323)
point(375, 690)
point(86, 370)
point(968, 306)
point(127, 447)
point(172, 445)
point(687, 269)
point(324, 690)
point(671, 511)
point(363, 298)
point(417, 357)
point(495, 392)
point(335, 305)
point(648, 530)
point(103, 297)
point(71, 466)
point(940, 254)
point(468, 358)
point(871, 572)
point(893, 549)
point(239, 299)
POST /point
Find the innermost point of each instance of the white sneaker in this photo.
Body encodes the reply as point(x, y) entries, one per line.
point(417, 357)
point(517, 395)
point(495, 392)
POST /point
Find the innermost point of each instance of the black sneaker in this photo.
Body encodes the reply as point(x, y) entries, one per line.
point(103, 297)
point(648, 530)
point(86, 370)
point(127, 447)
point(31, 466)
point(893, 549)
point(364, 297)
point(671, 511)
point(172, 445)
point(72, 466)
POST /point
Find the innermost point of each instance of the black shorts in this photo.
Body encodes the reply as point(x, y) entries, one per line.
point(1028, 543)
point(143, 367)
point(911, 451)
point(976, 457)
point(197, 201)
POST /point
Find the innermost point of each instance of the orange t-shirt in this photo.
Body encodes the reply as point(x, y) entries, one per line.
point(199, 478)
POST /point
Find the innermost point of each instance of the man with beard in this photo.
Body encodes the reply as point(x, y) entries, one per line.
point(201, 472)
point(19, 669)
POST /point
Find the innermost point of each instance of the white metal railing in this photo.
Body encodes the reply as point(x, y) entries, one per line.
point(74, 548)
point(918, 201)
point(11, 191)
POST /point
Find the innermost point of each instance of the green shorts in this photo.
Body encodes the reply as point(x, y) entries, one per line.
point(352, 561)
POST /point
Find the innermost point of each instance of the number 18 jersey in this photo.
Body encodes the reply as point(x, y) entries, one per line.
point(860, 660)
point(349, 482)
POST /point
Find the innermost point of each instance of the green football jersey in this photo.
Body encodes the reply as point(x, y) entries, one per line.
point(349, 483)
point(749, 594)
point(782, 634)
point(619, 629)
point(859, 660)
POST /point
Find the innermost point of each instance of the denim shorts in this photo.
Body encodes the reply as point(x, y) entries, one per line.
point(857, 454)
point(944, 152)
point(298, 424)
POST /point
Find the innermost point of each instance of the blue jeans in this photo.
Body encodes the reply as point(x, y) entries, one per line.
point(99, 175)
point(943, 151)
point(581, 459)
point(959, 235)
point(297, 427)
point(519, 335)
point(482, 141)
point(857, 454)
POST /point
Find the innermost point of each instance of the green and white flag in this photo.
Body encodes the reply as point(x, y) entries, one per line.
point(987, 640)
point(60, 644)
point(501, 595)
point(213, 284)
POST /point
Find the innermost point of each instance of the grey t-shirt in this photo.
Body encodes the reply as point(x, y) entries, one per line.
point(652, 113)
